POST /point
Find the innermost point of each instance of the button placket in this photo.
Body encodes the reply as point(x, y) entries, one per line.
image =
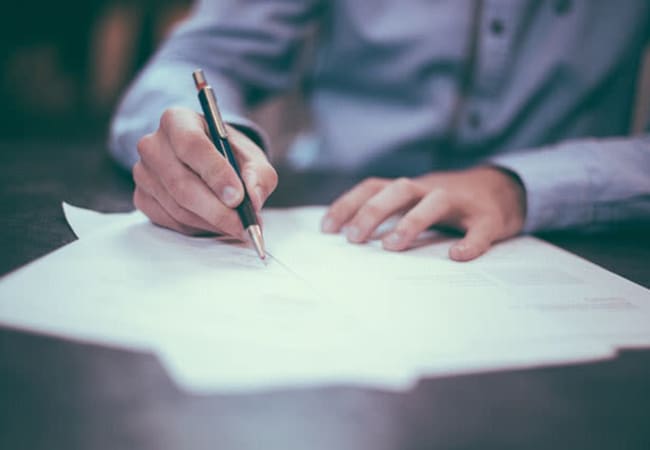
point(493, 43)
point(474, 119)
point(562, 7)
point(498, 24)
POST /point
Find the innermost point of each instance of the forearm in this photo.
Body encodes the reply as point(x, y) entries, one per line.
point(584, 183)
point(247, 50)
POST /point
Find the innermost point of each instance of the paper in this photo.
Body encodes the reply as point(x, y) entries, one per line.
point(321, 310)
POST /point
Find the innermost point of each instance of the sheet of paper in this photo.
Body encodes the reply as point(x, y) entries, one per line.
point(320, 311)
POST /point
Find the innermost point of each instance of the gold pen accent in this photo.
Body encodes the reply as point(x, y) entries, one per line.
point(255, 232)
point(219, 137)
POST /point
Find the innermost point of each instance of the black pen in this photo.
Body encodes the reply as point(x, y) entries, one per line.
point(220, 139)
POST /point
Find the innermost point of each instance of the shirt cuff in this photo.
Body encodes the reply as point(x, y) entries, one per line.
point(557, 188)
point(252, 130)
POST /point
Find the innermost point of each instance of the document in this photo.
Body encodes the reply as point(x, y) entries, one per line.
point(320, 310)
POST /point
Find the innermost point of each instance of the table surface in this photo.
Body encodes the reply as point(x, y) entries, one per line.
point(60, 394)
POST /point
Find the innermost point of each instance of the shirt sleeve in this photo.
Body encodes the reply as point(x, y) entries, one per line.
point(248, 50)
point(584, 183)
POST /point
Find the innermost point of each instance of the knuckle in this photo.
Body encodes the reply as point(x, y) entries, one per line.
point(137, 173)
point(217, 175)
point(272, 176)
point(265, 177)
point(186, 143)
point(169, 117)
point(142, 178)
point(145, 146)
point(339, 208)
point(412, 222)
point(402, 182)
point(438, 192)
point(440, 196)
point(238, 139)
point(405, 185)
point(373, 183)
point(409, 225)
point(371, 212)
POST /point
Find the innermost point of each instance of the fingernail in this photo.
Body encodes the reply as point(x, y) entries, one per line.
point(352, 234)
point(458, 251)
point(328, 225)
point(393, 239)
point(230, 196)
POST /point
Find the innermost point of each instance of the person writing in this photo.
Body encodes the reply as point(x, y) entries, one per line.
point(489, 116)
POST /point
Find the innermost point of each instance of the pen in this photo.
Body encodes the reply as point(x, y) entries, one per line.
point(220, 139)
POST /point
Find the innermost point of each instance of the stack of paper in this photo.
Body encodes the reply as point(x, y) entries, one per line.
point(320, 310)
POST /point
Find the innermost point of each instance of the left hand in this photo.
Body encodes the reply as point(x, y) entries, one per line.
point(487, 203)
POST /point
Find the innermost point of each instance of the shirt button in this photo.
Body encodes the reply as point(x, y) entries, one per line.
point(496, 26)
point(562, 6)
point(474, 119)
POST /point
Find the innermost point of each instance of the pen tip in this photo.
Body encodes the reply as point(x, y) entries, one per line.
point(255, 233)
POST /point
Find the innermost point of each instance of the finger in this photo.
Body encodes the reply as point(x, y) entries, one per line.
point(346, 206)
point(258, 174)
point(186, 133)
point(433, 208)
point(183, 186)
point(397, 196)
point(477, 240)
point(156, 213)
point(147, 182)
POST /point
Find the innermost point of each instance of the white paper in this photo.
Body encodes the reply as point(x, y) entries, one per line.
point(85, 222)
point(320, 310)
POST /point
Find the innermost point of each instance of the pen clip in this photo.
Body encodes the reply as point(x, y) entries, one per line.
point(205, 91)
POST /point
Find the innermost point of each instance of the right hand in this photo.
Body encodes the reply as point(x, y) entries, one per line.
point(182, 182)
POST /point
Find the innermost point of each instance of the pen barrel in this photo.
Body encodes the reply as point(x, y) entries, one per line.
point(209, 107)
point(217, 133)
point(245, 208)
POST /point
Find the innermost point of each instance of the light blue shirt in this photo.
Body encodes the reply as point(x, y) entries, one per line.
point(544, 88)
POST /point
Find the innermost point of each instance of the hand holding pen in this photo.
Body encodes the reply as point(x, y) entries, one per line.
point(183, 183)
point(219, 136)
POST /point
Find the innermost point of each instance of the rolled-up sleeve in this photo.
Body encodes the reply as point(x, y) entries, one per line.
point(248, 51)
point(584, 183)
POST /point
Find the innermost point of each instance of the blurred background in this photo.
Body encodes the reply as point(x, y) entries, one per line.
point(65, 63)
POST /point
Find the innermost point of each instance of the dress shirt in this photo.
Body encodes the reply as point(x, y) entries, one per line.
point(543, 88)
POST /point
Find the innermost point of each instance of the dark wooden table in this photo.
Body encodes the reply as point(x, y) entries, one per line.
point(56, 394)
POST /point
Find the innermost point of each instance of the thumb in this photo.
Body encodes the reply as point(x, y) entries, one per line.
point(478, 239)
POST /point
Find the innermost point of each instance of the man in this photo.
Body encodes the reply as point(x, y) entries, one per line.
point(497, 116)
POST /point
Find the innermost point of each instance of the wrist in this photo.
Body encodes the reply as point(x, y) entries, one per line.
point(510, 191)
